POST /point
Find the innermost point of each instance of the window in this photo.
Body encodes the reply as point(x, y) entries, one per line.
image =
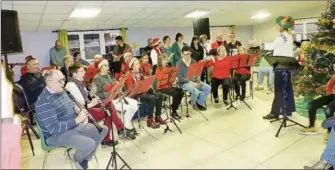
point(304, 29)
point(91, 43)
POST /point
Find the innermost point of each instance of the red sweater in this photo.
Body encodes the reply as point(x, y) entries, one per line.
point(244, 70)
point(221, 68)
point(146, 69)
point(331, 85)
point(215, 45)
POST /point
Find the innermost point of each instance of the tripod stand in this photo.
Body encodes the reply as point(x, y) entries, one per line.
point(108, 102)
point(283, 65)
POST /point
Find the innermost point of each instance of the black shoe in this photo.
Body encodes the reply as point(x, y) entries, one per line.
point(216, 100)
point(201, 108)
point(226, 103)
point(109, 143)
point(195, 107)
point(130, 135)
point(270, 116)
point(121, 132)
point(237, 97)
point(175, 116)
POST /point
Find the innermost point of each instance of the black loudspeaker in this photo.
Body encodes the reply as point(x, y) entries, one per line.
point(201, 26)
point(10, 32)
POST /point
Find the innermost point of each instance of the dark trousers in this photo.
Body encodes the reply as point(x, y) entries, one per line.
point(317, 104)
point(154, 67)
point(240, 80)
point(176, 93)
point(225, 86)
point(152, 100)
point(278, 101)
point(203, 77)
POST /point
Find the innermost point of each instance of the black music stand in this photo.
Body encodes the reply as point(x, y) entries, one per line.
point(141, 86)
point(244, 63)
point(234, 64)
point(195, 71)
point(108, 101)
point(284, 65)
point(166, 78)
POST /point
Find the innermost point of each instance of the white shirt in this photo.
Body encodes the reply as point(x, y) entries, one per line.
point(153, 56)
point(207, 48)
point(282, 46)
point(7, 106)
point(74, 90)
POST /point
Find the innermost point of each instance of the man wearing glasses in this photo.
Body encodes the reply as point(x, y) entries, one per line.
point(65, 125)
point(198, 89)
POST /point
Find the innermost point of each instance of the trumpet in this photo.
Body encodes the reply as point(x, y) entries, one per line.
point(89, 116)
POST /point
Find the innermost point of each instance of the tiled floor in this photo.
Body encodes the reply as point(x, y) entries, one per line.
point(230, 139)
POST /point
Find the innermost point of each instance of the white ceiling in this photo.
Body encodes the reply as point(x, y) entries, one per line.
point(52, 15)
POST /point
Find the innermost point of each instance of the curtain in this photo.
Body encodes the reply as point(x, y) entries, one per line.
point(63, 37)
point(124, 35)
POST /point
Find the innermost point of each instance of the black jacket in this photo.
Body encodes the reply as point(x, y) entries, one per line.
point(197, 54)
point(32, 84)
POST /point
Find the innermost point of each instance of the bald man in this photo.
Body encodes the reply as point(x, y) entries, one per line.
point(64, 124)
point(57, 54)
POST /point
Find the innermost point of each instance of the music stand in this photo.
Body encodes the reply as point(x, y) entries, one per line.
point(108, 102)
point(244, 63)
point(141, 86)
point(166, 78)
point(284, 65)
point(195, 70)
point(234, 64)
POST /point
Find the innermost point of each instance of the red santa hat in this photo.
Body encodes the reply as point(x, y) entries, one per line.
point(100, 62)
point(29, 57)
point(156, 41)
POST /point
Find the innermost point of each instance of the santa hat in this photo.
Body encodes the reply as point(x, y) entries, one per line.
point(286, 22)
point(132, 61)
point(28, 58)
point(127, 54)
point(156, 41)
point(99, 63)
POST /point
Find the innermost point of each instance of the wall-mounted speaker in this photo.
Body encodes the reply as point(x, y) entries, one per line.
point(201, 26)
point(10, 32)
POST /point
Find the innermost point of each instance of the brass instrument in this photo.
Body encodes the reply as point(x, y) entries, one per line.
point(89, 116)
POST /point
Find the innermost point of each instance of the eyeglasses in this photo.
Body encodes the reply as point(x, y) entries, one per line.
point(187, 54)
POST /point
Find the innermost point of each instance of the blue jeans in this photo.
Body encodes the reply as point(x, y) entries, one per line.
point(199, 94)
point(84, 139)
point(329, 152)
point(261, 71)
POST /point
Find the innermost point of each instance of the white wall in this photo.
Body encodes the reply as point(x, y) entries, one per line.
point(37, 44)
point(267, 31)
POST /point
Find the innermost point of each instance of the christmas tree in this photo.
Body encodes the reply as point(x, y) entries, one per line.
point(310, 82)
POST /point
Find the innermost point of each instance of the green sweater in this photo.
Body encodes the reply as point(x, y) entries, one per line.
point(101, 81)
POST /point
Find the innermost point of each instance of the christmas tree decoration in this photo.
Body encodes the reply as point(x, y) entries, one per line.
point(310, 82)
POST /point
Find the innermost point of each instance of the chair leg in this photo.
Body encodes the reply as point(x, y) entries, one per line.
point(45, 159)
point(186, 101)
point(29, 139)
point(69, 157)
point(96, 159)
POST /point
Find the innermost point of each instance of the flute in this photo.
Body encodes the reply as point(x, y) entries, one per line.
point(89, 116)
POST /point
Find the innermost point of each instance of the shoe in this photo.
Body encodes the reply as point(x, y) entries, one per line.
point(309, 131)
point(270, 116)
point(84, 164)
point(237, 97)
point(121, 131)
point(159, 120)
point(130, 135)
point(151, 123)
point(201, 108)
point(109, 143)
point(175, 116)
point(226, 103)
point(74, 163)
point(242, 97)
point(321, 164)
point(259, 88)
point(216, 100)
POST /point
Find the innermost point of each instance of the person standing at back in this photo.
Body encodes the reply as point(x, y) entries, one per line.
point(176, 49)
point(57, 54)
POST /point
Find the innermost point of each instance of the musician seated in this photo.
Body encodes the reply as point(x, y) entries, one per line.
point(176, 92)
point(79, 91)
point(64, 124)
point(150, 98)
point(318, 103)
point(241, 75)
point(68, 61)
point(145, 65)
point(24, 68)
point(221, 74)
point(32, 81)
point(199, 90)
point(102, 80)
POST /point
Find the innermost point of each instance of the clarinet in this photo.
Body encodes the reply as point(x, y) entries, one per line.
point(89, 116)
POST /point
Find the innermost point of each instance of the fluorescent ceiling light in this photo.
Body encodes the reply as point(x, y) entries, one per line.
point(85, 13)
point(196, 14)
point(260, 15)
